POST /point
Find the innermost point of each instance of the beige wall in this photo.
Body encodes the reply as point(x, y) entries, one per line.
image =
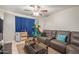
point(67, 19)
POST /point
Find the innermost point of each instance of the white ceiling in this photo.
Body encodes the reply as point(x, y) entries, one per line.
point(20, 8)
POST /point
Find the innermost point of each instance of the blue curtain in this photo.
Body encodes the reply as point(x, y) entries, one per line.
point(24, 24)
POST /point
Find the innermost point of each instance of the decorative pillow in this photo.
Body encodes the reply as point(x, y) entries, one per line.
point(61, 38)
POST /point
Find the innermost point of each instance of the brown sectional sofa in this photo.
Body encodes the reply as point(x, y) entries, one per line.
point(49, 38)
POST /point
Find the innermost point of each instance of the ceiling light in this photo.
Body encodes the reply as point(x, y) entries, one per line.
point(36, 13)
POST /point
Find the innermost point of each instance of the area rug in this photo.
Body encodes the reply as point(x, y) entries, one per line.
point(20, 48)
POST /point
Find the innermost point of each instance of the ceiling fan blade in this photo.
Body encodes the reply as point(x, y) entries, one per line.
point(43, 10)
point(34, 6)
point(31, 5)
point(26, 10)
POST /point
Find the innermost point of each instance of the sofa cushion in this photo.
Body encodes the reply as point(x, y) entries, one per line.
point(58, 43)
point(61, 38)
point(64, 33)
point(42, 39)
point(53, 34)
point(59, 46)
point(1, 46)
point(50, 33)
point(75, 38)
point(1, 36)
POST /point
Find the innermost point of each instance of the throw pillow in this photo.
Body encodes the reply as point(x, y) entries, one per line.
point(61, 38)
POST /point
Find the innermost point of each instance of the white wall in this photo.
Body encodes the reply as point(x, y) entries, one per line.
point(9, 28)
point(1, 14)
point(67, 19)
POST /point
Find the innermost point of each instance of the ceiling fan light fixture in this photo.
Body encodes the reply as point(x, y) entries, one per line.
point(36, 10)
point(36, 13)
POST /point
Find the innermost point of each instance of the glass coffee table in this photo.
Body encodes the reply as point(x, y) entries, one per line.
point(35, 48)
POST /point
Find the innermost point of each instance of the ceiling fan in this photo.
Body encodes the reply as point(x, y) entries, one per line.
point(37, 10)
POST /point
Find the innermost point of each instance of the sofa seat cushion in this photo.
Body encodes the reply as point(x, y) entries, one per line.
point(42, 45)
point(75, 42)
point(75, 38)
point(42, 39)
point(60, 46)
point(72, 49)
point(58, 43)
